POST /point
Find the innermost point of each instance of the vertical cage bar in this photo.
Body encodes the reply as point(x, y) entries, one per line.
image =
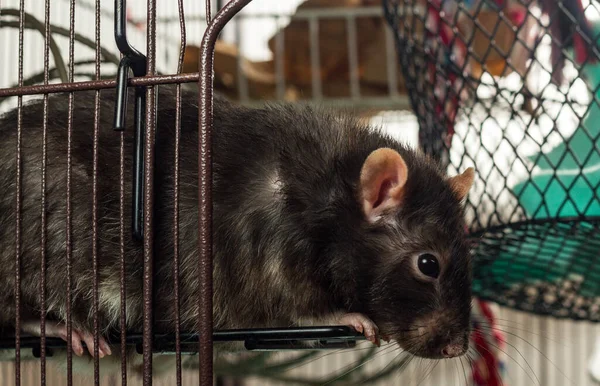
point(95, 202)
point(43, 307)
point(279, 59)
point(69, 240)
point(122, 271)
point(205, 116)
point(392, 69)
point(176, 235)
point(182, 32)
point(241, 76)
point(123, 318)
point(353, 55)
point(315, 57)
point(205, 122)
point(18, 205)
point(148, 193)
point(122, 288)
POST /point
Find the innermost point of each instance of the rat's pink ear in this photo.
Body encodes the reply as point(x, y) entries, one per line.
point(461, 184)
point(382, 181)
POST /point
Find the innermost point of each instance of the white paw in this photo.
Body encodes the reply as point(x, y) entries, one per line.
point(59, 330)
point(362, 324)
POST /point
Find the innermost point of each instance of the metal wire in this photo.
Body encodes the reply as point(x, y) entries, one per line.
point(205, 103)
point(69, 226)
point(149, 194)
point(18, 205)
point(182, 32)
point(43, 309)
point(98, 84)
point(123, 316)
point(95, 236)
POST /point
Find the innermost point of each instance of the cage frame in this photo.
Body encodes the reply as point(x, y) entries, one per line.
point(145, 80)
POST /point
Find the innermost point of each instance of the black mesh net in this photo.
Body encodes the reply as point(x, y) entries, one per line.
point(511, 88)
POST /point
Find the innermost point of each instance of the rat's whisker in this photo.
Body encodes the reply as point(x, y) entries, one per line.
point(403, 354)
point(457, 370)
point(428, 373)
point(399, 361)
point(335, 352)
point(420, 366)
point(533, 346)
point(496, 370)
point(541, 353)
point(354, 368)
point(517, 362)
point(464, 370)
point(499, 328)
point(514, 322)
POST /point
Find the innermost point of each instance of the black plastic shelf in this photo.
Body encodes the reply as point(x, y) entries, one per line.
point(259, 339)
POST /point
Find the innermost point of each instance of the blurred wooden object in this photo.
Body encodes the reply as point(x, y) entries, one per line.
point(334, 71)
point(494, 40)
point(259, 76)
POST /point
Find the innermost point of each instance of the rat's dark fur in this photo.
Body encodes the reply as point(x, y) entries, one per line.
point(290, 239)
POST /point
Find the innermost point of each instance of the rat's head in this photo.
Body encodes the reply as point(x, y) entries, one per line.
point(419, 289)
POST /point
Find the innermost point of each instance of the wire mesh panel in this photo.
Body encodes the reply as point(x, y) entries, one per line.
point(510, 87)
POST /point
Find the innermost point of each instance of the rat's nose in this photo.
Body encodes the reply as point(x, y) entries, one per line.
point(453, 350)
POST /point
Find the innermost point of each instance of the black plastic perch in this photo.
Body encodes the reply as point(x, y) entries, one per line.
point(265, 339)
point(136, 62)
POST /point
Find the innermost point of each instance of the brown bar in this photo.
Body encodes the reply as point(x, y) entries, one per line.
point(98, 84)
point(205, 103)
point(176, 236)
point(69, 226)
point(43, 307)
point(148, 193)
point(208, 11)
point(123, 324)
point(176, 198)
point(123, 293)
point(18, 207)
point(95, 202)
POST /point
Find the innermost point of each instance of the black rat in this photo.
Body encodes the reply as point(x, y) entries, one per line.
point(317, 219)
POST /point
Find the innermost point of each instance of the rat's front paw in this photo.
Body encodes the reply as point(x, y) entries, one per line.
point(59, 330)
point(363, 324)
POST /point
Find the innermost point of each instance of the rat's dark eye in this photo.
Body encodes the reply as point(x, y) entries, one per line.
point(428, 265)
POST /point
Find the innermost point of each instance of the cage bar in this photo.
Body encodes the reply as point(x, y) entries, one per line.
point(69, 227)
point(43, 309)
point(315, 57)
point(242, 81)
point(280, 60)
point(18, 205)
point(353, 56)
point(95, 234)
point(149, 194)
point(122, 285)
point(271, 339)
point(391, 64)
point(182, 31)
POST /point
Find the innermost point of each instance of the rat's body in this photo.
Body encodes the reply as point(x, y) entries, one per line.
point(296, 236)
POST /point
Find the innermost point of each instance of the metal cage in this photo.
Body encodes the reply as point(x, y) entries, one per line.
point(145, 80)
